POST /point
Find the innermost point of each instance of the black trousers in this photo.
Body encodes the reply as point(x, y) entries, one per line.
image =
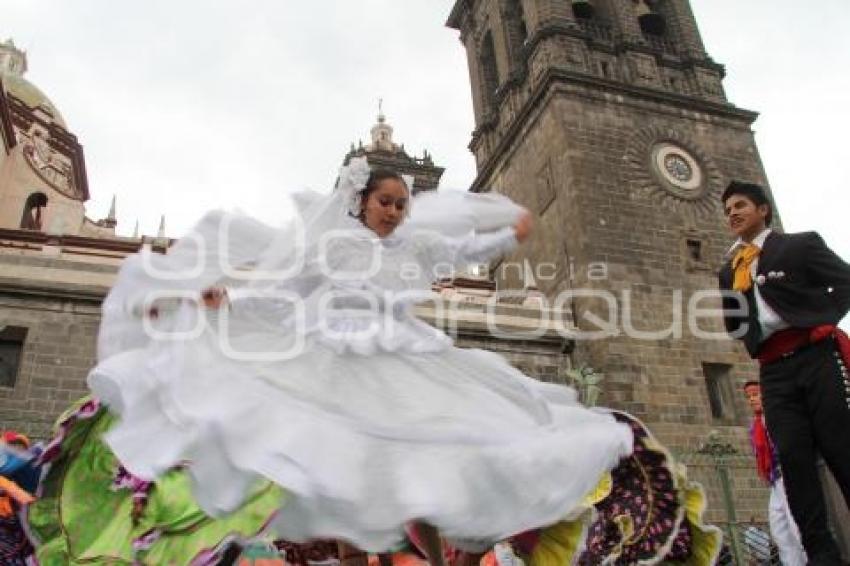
point(807, 409)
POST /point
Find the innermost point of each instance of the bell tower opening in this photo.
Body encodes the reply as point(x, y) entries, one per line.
point(489, 72)
point(650, 19)
point(583, 9)
point(516, 30)
point(33, 214)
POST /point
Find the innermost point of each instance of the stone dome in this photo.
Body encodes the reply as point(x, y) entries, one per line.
point(30, 95)
point(13, 65)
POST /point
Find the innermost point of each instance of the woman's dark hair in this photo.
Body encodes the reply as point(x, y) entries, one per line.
point(375, 178)
point(751, 191)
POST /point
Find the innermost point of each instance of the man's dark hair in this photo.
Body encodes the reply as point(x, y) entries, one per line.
point(751, 383)
point(751, 191)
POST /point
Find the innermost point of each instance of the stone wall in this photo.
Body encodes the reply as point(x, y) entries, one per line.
point(58, 352)
point(58, 303)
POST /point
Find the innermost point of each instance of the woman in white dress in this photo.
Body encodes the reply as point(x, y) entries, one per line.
point(322, 380)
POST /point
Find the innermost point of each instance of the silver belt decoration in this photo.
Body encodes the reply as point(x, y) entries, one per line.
point(845, 375)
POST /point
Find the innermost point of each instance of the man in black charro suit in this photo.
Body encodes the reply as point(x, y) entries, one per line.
point(784, 296)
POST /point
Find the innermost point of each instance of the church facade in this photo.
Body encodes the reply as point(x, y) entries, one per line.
point(606, 118)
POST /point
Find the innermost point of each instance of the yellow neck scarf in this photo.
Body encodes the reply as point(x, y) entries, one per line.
point(741, 264)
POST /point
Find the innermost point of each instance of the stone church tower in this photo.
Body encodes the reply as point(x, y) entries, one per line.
point(56, 263)
point(385, 153)
point(43, 183)
point(608, 119)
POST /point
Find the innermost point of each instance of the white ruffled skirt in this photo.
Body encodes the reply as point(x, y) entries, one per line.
point(363, 444)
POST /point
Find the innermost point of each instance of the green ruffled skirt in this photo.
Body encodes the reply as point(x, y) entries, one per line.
point(83, 517)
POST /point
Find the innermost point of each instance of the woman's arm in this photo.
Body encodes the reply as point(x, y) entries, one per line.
point(480, 248)
point(211, 298)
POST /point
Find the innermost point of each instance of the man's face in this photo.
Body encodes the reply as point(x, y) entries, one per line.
point(753, 393)
point(746, 220)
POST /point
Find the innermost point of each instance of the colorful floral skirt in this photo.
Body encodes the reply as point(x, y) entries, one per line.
point(645, 511)
point(15, 549)
point(90, 512)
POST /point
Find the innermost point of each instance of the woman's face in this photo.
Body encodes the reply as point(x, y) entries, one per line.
point(385, 207)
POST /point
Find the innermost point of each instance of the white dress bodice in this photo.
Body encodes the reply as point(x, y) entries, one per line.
point(370, 284)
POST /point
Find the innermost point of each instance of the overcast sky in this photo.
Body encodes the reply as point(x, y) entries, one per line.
point(183, 106)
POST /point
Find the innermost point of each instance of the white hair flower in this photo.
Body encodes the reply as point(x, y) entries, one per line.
point(352, 182)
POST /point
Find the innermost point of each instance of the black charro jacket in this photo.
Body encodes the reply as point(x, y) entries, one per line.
point(809, 286)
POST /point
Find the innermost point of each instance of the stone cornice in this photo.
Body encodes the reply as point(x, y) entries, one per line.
point(60, 263)
point(20, 287)
point(617, 44)
point(552, 342)
point(107, 244)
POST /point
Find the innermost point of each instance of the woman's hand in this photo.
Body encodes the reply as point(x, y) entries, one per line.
point(524, 226)
point(213, 298)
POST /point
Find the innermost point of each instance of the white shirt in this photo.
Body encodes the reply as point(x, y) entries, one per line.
point(769, 321)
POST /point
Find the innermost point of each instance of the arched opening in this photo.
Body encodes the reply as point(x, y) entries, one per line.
point(489, 71)
point(650, 18)
point(516, 27)
point(584, 9)
point(33, 215)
